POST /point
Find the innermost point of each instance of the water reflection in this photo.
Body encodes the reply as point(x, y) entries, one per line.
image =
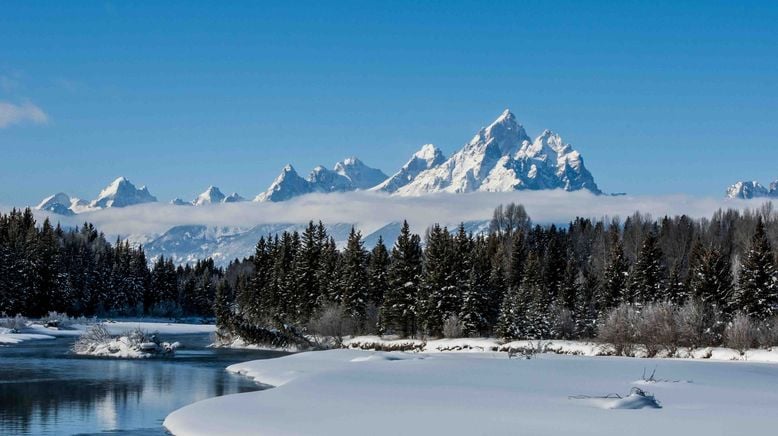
point(44, 390)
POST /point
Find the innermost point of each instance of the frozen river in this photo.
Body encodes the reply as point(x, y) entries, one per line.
point(44, 389)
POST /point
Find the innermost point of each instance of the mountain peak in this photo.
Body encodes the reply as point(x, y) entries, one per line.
point(120, 193)
point(209, 196)
point(746, 190)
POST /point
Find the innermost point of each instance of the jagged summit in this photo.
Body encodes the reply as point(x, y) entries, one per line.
point(233, 198)
point(59, 203)
point(429, 156)
point(347, 175)
point(752, 189)
point(501, 157)
point(121, 193)
point(209, 196)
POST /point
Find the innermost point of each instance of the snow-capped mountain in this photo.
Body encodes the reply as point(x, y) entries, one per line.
point(180, 202)
point(350, 174)
point(287, 185)
point(427, 157)
point(752, 189)
point(358, 174)
point(501, 157)
point(233, 198)
point(61, 204)
point(209, 196)
point(121, 193)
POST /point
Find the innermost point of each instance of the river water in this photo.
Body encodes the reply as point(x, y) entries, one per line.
point(46, 390)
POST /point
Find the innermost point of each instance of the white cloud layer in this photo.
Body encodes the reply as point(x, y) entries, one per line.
point(11, 114)
point(370, 211)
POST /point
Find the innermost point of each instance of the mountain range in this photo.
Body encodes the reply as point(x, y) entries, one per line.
point(500, 157)
point(752, 189)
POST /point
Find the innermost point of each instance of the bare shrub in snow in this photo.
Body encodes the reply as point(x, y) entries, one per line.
point(333, 322)
point(15, 323)
point(656, 328)
point(741, 333)
point(62, 320)
point(618, 329)
point(768, 333)
point(137, 343)
point(97, 334)
point(453, 327)
point(699, 325)
point(562, 323)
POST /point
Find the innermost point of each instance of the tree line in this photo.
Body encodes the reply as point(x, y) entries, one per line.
point(47, 268)
point(518, 280)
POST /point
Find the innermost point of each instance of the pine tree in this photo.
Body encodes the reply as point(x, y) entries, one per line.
point(518, 257)
point(710, 277)
point(306, 267)
point(475, 298)
point(614, 286)
point(399, 312)
point(757, 293)
point(440, 297)
point(647, 281)
point(354, 278)
point(378, 272)
point(537, 298)
point(222, 303)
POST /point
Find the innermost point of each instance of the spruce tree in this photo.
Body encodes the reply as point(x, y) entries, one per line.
point(378, 272)
point(757, 293)
point(306, 266)
point(647, 281)
point(475, 298)
point(710, 277)
point(222, 303)
point(613, 289)
point(354, 278)
point(399, 312)
point(439, 290)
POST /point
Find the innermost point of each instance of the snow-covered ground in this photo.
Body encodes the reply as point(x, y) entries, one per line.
point(343, 392)
point(35, 331)
point(575, 348)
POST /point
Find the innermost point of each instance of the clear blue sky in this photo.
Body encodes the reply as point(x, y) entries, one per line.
point(660, 97)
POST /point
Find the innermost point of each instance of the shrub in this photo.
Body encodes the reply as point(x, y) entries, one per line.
point(15, 323)
point(656, 328)
point(768, 333)
point(453, 327)
point(699, 325)
point(562, 323)
point(97, 334)
point(741, 333)
point(332, 321)
point(618, 329)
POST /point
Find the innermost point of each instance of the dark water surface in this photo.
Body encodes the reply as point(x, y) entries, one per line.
point(46, 390)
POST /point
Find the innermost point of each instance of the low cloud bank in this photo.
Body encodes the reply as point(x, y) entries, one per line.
point(370, 211)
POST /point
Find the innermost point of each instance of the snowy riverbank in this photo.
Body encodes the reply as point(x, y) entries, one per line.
point(37, 331)
point(574, 348)
point(385, 393)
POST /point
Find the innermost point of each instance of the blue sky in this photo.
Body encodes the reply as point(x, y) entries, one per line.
point(660, 97)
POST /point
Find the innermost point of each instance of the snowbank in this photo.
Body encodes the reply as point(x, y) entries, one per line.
point(8, 337)
point(135, 344)
point(573, 348)
point(36, 331)
point(354, 392)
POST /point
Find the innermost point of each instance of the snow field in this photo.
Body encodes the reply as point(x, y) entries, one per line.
point(344, 392)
